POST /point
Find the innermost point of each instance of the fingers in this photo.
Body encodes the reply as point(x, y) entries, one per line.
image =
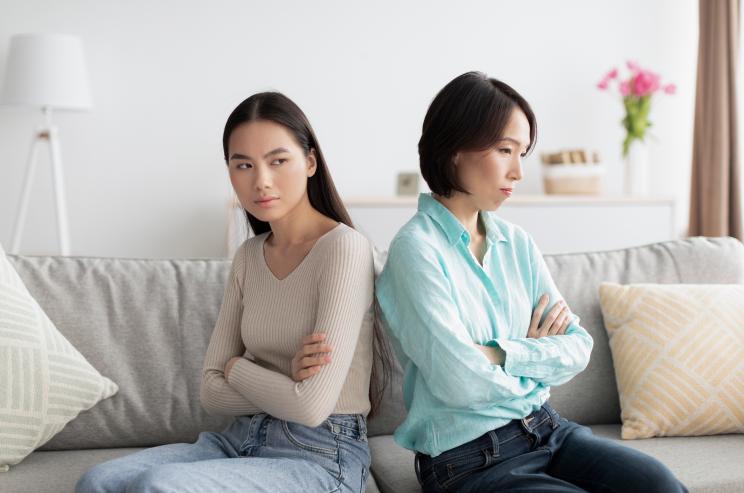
point(566, 324)
point(550, 318)
point(308, 366)
point(560, 322)
point(309, 361)
point(311, 357)
point(537, 315)
point(314, 337)
point(306, 373)
point(317, 347)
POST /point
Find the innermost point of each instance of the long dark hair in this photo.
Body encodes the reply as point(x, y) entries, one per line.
point(278, 108)
point(322, 193)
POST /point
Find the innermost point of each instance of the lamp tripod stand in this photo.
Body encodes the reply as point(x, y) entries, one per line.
point(48, 132)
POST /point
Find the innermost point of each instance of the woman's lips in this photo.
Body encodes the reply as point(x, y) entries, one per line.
point(267, 202)
point(507, 191)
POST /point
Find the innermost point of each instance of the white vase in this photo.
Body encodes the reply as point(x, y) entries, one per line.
point(636, 169)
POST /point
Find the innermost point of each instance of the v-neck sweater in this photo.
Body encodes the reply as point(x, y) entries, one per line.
point(263, 319)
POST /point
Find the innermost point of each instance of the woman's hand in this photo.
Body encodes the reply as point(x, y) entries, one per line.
point(310, 357)
point(230, 364)
point(555, 323)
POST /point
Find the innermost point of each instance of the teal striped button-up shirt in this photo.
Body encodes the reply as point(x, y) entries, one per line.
point(437, 302)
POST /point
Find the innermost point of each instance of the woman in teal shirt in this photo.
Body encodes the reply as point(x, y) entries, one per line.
point(464, 296)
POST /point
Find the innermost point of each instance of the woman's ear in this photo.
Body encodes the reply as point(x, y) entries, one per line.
point(312, 163)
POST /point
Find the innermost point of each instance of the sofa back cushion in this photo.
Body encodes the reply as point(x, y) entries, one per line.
point(146, 325)
point(591, 397)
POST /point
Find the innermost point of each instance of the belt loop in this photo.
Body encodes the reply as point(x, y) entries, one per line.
point(417, 467)
point(362, 424)
point(494, 443)
point(551, 415)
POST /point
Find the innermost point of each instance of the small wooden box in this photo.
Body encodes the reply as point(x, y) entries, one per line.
point(580, 179)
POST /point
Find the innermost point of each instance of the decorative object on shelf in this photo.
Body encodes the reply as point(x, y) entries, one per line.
point(408, 183)
point(572, 171)
point(636, 91)
point(636, 169)
point(45, 71)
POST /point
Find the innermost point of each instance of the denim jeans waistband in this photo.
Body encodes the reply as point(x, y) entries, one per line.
point(352, 425)
point(545, 418)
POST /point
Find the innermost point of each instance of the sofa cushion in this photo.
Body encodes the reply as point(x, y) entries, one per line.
point(706, 464)
point(58, 471)
point(709, 464)
point(591, 397)
point(55, 471)
point(392, 466)
point(678, 352)
point(146, 325)
point(45, 381)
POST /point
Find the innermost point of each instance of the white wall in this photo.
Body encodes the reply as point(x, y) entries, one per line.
point(144, 173)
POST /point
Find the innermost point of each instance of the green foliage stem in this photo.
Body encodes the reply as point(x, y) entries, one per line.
point(636, 119)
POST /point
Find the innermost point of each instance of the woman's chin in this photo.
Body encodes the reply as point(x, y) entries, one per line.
point(492, 205)
point(266, 215)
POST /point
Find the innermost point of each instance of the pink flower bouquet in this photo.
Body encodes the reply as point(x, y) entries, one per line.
point(636, 92)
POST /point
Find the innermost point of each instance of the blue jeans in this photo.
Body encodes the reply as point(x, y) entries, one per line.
point(255, 453)
point(543, 452)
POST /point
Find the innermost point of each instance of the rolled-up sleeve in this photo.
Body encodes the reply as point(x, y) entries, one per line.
point(420, 314)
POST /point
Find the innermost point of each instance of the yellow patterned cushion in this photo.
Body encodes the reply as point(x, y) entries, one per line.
point(678, 351)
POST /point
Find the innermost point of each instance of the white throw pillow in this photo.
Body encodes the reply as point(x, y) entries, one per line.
point(44, 381)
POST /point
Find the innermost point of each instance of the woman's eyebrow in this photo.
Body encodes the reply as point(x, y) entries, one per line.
point(514, 141)
point(278, 150)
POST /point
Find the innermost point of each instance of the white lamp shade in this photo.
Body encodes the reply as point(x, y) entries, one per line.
point(46, 70)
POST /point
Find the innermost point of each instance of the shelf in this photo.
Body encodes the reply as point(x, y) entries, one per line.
point(517, 200)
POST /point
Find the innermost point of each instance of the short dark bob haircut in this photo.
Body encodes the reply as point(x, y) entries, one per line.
point(469, 114)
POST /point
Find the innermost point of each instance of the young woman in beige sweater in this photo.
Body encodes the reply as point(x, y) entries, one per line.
point(291, 352)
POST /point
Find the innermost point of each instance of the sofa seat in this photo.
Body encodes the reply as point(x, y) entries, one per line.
point(710, 464)
point(57, 471)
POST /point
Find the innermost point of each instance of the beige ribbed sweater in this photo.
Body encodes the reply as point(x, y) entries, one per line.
point(264, 320)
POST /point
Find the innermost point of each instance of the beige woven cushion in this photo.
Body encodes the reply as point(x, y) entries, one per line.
point(44, 381)
point(678, 353)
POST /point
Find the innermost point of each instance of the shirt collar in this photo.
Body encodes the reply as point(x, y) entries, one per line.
point(452, 227)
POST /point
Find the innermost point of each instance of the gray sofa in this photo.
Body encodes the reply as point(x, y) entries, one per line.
point(146, 325)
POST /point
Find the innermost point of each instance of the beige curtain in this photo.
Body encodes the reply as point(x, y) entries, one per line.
point(715, 196)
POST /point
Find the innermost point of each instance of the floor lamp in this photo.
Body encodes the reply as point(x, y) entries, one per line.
point(45, 71)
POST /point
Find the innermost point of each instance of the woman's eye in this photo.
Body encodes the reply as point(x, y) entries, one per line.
point(247, 165)
point(279, 161)
point(505, 150)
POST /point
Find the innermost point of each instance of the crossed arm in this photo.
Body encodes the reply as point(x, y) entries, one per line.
point(427, 330)
point(345, 288)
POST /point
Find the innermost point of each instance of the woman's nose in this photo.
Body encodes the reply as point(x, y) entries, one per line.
point(516, 170)
point(263, 178)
